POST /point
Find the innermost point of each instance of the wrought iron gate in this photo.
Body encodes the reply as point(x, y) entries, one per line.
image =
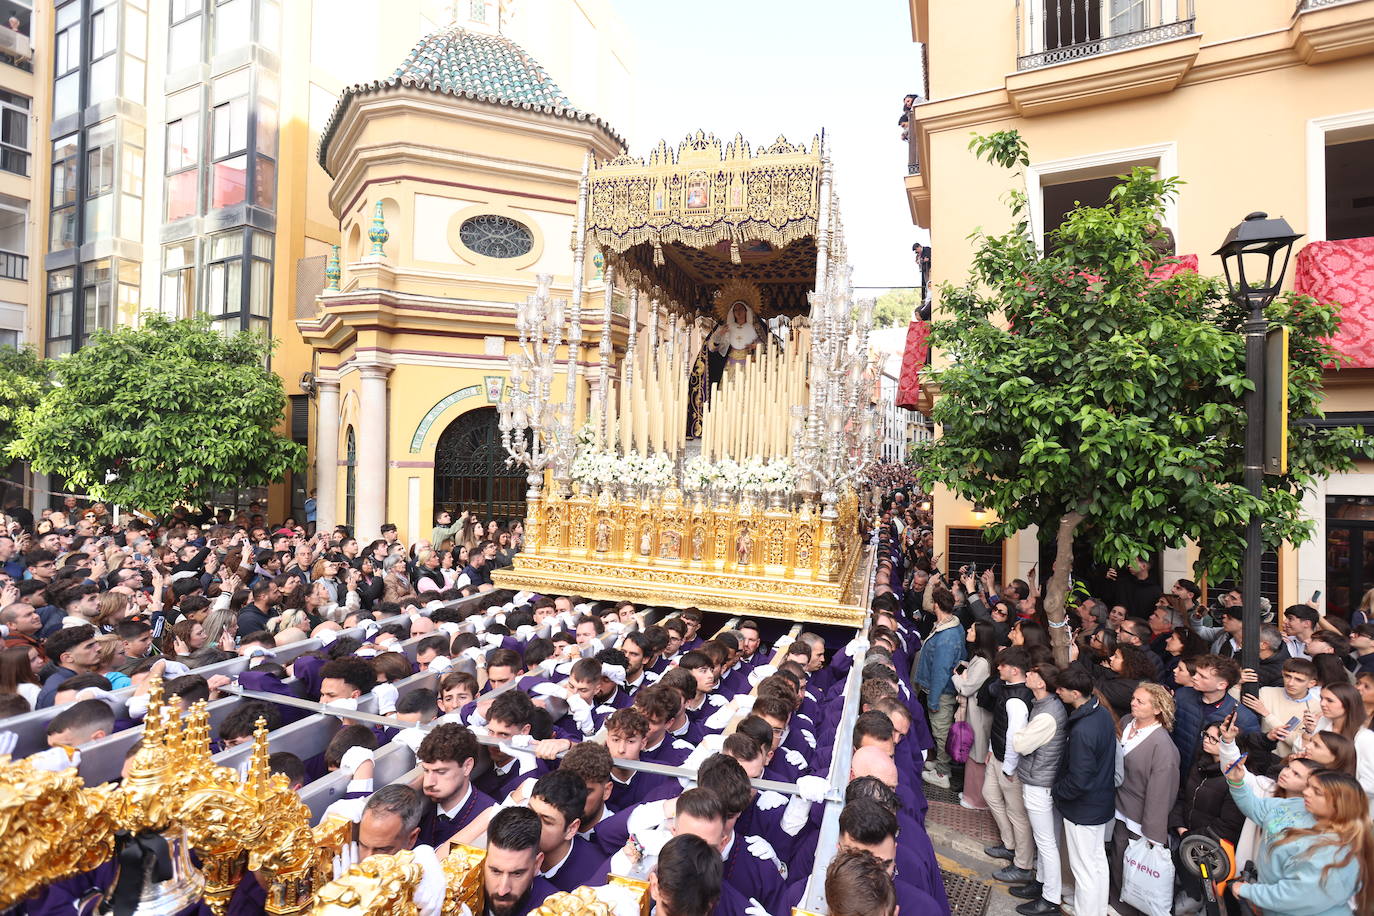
point(470, 470)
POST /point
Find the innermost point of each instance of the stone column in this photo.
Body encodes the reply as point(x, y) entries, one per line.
point(326, 454)
point(372, 438)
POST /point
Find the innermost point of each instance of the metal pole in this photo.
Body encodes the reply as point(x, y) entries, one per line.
point(1255, 328)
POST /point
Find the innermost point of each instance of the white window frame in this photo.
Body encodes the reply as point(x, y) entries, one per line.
point(1097, 165)
point(1360, 126)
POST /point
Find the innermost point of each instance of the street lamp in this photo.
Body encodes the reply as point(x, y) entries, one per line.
point(1249, 257)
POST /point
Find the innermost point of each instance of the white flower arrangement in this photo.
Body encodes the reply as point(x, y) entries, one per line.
point(595, 467)
point(754, 475)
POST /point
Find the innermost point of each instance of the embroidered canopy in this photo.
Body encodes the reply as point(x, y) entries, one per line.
point(692, 219)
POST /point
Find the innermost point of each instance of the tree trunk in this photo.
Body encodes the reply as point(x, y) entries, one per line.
point(1058, 590)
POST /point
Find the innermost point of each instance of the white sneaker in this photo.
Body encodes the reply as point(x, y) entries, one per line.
point(936, 778)
point(965, 803)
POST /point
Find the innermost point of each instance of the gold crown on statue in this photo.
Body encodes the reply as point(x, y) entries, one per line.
point(736, 290)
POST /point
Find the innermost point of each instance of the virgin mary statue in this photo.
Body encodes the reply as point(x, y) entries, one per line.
point(738, 334)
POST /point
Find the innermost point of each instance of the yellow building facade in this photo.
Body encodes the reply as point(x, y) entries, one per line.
point(455, 184)
point(1255, 104)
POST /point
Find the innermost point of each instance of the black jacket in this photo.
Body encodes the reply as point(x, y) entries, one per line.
point(1205, 803)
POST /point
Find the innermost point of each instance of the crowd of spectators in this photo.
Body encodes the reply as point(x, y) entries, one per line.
point(1098, 756)
point(533, 725)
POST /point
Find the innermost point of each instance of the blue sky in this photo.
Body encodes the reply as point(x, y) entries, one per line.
point(765, 67)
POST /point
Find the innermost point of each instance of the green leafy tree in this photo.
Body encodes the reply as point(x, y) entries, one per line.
point(23, 381)
point(1089, 399)
point(171, 411)
point(895, 307)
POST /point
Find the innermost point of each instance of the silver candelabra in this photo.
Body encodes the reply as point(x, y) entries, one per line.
point(536, 431)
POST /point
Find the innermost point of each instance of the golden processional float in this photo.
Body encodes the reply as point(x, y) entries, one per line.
point(174, 801)
point(718, 463)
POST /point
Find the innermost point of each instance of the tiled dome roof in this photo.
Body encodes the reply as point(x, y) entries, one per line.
point(490, 66)
point(473, 65)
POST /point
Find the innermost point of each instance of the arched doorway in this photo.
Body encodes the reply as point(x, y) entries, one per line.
point(470, 469)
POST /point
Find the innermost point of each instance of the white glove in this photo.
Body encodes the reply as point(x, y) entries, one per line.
point(173, 669)
point(410, 737)
point(755, 909)
point(615, 628)
point(857, 646)
point(521, 598)
point(55, 759)
point(353, 758)
point(813, 788)
point(745, 702)
point(441, 663)
point(492, 640)
point(475, 655)
point(369, 628)
point(525, 632)
point(767, 801)
point(430, 892)
point(759, 673)
point(386, 695)
point(809, 738)
point(794, 757)
point(346, 859)
point(615, 672)
point(569, 619)
point(760, 848)
point(366, 652)
point(783, 642)
point(499, 618)
point(451, 628)
point(326, 637)
point(8, 740)
point(137, 705)
point(646, 817)
point(549, 665)
point(521, 740)
point(479, 624)
point(581, 711)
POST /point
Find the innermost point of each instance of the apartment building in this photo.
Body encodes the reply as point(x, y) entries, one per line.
point(1256, 104)
point(179, 138)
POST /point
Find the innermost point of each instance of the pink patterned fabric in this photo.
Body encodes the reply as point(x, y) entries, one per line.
point(1343, 272)
point(1174, 266)
point(913, 361)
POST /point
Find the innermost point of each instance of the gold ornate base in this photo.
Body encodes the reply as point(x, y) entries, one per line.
point(800, 600)
point(662, 549)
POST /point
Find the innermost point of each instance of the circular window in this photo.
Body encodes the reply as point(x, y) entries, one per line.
point(496, 236)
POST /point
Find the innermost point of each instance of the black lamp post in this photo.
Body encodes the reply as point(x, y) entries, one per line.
point(1255, 258)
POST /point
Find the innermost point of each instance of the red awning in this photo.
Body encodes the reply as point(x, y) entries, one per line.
point(1343, 272)
point(914, 359)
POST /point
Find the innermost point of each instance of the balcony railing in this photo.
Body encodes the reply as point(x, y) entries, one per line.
point(1058, 31)
point(14, 266)
point(1305, 5)
point(913, 154)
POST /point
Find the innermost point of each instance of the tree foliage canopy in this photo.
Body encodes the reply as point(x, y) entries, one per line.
point(895, 307)
point(23, 381)
point(174, 410)
point(1081, 393)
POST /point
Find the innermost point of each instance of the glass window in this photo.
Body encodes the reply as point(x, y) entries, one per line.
point(269, 25)
point(224, 276)
point(233, 24)
point(131, 193)
point(65, 194)
point(185, 44)
point(229, 182)
point(14, 133)
point(267, 129)
point(179, 278)
point(61, 298)
point(103, 82)
point(265, 186)
point(14, 218)
point(230, 128)
point(496, 236)
point(97, 298)
point(100, 181)
point(260, 276)
point(183, 143)
point(183, 194)
point(66, 99)
point(128, 294)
